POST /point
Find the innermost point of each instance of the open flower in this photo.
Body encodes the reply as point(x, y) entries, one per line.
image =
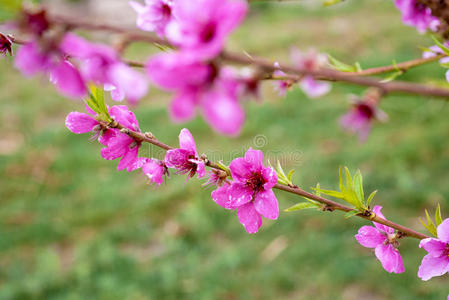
point(32, 59)
point(122, 145)
point(199, 85)
point(101, 65)
point(359, 119)
point(417, 14)
point(384, 241)
point(79, 123)
point(311, 61)
point(152, 168)
point(250, 192)
point(436, 262)
point(185, 159)
point(154, 15)
point(202, 26)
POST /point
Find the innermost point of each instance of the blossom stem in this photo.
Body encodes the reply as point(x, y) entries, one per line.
point(356, 78)
point(330, 205)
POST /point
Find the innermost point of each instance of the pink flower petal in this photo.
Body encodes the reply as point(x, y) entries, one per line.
point(186, 141)
point(182, 107)
point(266, 204)
point(240, 194)
point(370, 237)
point(433, 266)
point(116, 147)
point(176, 157)
point(249, 217)
point(269, 174)
point(132, 83)
point(435, 247)
point(128, 159)
point(255, 159)
point(314, 88)
point(390, 258)
point(240, 169)
point(377, 210)
point(68, 80)
point(221, 196)
point(201, 170)
point(443, 231)
point(78, 122)
point(154, 171)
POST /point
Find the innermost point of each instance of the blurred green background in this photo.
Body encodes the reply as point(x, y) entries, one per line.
point(72, 227)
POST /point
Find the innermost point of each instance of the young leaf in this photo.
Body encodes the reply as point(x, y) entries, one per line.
point(392, 76)
point(351, 213)
point(438, 219)
point(358, 185)
point(341, 66)
point(301, 206)
point(430, 226)
point(331, 193)
point(290, 175)
point(440, 45)
point(370, 198)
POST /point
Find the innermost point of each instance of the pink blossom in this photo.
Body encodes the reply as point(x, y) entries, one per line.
point(311, 61)
point(101, 65)
point(30, 60)
point(201, 86)
point(417, 14)
point(185, 159)
point(250, 192)
point(154, 15)
point(202, 26)
point(121, 145)
point(383, 239)
point(152, 168)
point(5, 45)
point(34, 22)
point(360, 117)
point(79, 123)
point(281, 86)
point(434, 50)
point(436, 262)
point(216, 178)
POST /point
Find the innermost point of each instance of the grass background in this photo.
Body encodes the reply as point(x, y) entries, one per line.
point(72, 227)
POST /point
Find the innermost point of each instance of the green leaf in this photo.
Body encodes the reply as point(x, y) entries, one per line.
point(341, 185)
point(358, 67)
point(392, 76)
point(341, 66)
point(358, 185)
point(290, 175)
point(351, 213)
point(430, 226)
point(317, 190)
point(331, 193)
point(301, 206)
point(440, 45)
point(438, 219)
point(370, 198)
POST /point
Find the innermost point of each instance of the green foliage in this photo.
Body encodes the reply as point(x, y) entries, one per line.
point(343, 67)
point(282, 178)
point(351, 191)
point(97, 103)
point(430, 225)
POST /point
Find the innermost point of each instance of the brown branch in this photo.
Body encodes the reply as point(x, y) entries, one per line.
point(329, 204)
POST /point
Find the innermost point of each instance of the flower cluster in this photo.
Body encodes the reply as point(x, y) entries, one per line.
point(72, 62)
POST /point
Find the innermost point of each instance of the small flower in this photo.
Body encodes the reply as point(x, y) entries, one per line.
point(434, 50)
point(153, 168)
point(122, 145)
point(154, 15)
point(436, 262)
point(250, 192)
point(311, 61)
point(418, 15)
point(216, 178)
point(281, 86)
point(5, 45)
point(79, 123)
point(359, 119)
point(202, 26)
point(185, 158)
point(384, 240)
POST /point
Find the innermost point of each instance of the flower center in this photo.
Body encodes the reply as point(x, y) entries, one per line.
point(166, 11)
point(255, 182)
point(446, 252)
point(365, 110)
point(208, 32)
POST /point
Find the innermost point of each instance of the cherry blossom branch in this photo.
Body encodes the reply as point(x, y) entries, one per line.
point(329, 205)
point(356, 78)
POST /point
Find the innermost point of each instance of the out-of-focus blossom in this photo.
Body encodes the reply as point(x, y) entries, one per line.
point(311, 61)
point(185, 159)
point(199, 85)
point(250, 192)
point(434, 50)
point(436, 262)
point(383, 239)
point(281, 86)
point(201, 27)
point(34, 22)
point(418, 15)
point(5, 45)
point(154, 15)
point(31, 59)
point(361, 116)
point(121, 145)
point(101, 65)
